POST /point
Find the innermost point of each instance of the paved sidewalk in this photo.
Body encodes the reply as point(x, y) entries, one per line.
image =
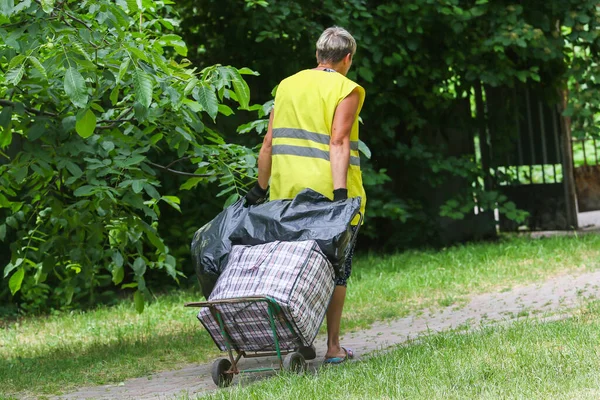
point(552, 297)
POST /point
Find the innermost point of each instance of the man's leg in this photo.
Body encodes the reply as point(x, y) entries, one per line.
point(336, 306)
point(334, 319)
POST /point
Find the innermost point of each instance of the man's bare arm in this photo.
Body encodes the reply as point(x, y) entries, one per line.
point(339, 146)
point(264, 156)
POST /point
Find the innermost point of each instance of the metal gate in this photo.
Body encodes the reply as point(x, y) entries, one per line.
point(526, 149)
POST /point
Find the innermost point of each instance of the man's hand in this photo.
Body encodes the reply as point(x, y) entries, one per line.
point(256, 195)
point(340, 194)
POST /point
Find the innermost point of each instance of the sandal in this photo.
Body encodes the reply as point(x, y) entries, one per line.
point(339, 360)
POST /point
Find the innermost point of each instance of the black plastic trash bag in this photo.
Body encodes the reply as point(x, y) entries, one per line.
point(309, 216)
point(211, 245)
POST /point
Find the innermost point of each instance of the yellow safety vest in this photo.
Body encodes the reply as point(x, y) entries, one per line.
point(305, 104)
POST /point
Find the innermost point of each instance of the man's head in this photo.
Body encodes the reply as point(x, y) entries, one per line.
point(336, 47)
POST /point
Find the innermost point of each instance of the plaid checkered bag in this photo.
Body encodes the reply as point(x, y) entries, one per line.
point(295, 274)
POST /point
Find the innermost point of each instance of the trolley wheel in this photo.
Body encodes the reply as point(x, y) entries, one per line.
point(294, 362)
point(220, 376)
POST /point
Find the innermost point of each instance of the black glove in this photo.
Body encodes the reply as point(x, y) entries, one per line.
point(340, 194)
point(256, 195)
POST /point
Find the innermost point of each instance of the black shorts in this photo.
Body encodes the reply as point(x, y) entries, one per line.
point(342, 279)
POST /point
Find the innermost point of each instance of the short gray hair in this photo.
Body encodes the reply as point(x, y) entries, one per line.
point(334, 44)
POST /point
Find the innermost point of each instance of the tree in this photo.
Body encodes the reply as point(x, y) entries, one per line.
point(420, 62)
point(98, 102)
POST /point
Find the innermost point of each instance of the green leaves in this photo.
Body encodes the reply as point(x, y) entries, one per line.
point(522, 76)
point(75, 88)
point(176, 42)
point(4, 203)
point(74, 169)
point(134, 5)
point(173, 201)
point(79, 47)
point(99, 106)
point(205, 95)
point(152, 192)
point(241, 89)
point(6, 136)
point(137, 186)
point(138, 53)
point(7, 7)
point(247, 71)
point(232, 77)
point(15, 75)
point(86, 123)
point(363, 148)
point(154, 239)
point(6, 133)
point(366, 73)
point(84, 190)
point(123, 68)
point(139, 266)
point(142, 84)
point(38, 65)
point(47, 6)
point(14, 283)
point(170, 264)
point(138, 299)
point(118, 273)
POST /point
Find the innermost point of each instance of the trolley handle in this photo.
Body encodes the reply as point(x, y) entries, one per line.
point(234, 300)
point(354, 235)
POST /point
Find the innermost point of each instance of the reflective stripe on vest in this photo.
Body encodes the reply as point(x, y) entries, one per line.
point(292, 133)
point(308, 150)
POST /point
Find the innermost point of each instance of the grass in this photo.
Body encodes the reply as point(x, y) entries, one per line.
point(396, 286)
point(526, 360)
point(61, 352)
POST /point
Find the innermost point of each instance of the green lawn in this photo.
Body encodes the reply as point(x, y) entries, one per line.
point(395, 286)
point(61, 352)
point(527, 360)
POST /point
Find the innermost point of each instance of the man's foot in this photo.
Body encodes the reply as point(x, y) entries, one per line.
point(308, 352)
point(348, 354)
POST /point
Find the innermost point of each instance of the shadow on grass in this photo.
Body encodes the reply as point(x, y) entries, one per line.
point(65, 369)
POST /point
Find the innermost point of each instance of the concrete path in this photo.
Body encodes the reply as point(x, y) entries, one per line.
point(552, 297)
point(589, 220)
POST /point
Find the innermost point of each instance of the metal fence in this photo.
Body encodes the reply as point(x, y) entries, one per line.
point(585, 152)
point(525, 149)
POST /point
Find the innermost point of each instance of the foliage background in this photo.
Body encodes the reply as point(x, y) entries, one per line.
point(118, 140)
point(100, 105)
point(421, 63)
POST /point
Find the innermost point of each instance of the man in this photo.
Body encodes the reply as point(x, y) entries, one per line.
point(312, 142)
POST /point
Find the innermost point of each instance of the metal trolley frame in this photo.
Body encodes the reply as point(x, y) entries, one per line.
point(224, 369)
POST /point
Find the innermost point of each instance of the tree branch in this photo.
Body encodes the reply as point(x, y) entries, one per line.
point(176, 161)
point(25, 22)
point(8, 103)
point(113, 124)
point(74, 18)
point(173, 171)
